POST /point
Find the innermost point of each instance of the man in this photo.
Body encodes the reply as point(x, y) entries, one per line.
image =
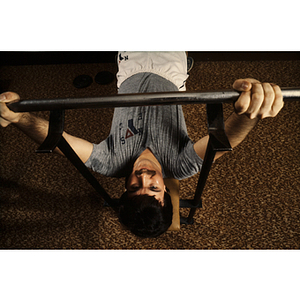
point(147, 144)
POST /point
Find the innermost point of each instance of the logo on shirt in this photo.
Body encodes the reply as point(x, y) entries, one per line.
point(123, 58)
point(131, 130)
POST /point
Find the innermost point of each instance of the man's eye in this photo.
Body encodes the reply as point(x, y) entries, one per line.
point(134, 188)
point(154, 188)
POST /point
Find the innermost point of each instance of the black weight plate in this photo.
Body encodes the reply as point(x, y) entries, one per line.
point(82, 81)
point(104, 77)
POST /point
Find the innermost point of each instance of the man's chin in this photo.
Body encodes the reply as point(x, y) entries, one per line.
point(148, 165)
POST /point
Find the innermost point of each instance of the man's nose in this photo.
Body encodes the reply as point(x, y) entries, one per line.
point(144, 177)
point(144, 180)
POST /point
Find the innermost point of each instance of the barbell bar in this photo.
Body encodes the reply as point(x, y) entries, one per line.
point(141, 99)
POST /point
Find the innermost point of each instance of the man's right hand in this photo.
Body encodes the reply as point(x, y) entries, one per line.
point(6, 115)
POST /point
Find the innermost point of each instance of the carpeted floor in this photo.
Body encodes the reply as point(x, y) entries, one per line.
point(251, 200)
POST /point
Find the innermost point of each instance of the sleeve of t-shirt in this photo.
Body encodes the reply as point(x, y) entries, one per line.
point(188, 163)
point(99, 160)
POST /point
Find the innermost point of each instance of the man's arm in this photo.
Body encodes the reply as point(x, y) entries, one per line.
point(257, 101)
point(37, 128)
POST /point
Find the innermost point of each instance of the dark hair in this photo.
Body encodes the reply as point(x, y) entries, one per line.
point(144, 216)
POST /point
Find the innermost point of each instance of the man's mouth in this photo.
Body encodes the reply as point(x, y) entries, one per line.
point(144, 170)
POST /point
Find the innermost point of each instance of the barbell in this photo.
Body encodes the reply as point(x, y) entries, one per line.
point(141, 99)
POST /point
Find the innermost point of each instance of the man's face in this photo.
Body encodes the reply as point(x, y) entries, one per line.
point(146, 178)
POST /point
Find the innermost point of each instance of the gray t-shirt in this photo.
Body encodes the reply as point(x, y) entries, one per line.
point(162, 129)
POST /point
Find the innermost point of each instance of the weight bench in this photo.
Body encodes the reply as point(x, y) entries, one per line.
point(217, 138)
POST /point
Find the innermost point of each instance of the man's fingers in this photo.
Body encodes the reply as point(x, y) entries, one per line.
point(243, 85)
point(3, 122)
point(3, 112)
point(249, 102)
point(278, 101)
point(9, 97)
point(8, 116)
point(262, 101)
point(269, 96)
point(242, 104)
point(257, 99)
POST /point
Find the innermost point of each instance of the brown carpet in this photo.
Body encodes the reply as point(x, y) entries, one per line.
point(251, 200)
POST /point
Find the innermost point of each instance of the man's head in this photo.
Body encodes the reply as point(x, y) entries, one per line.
point(144, 216)
point(146, 207)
